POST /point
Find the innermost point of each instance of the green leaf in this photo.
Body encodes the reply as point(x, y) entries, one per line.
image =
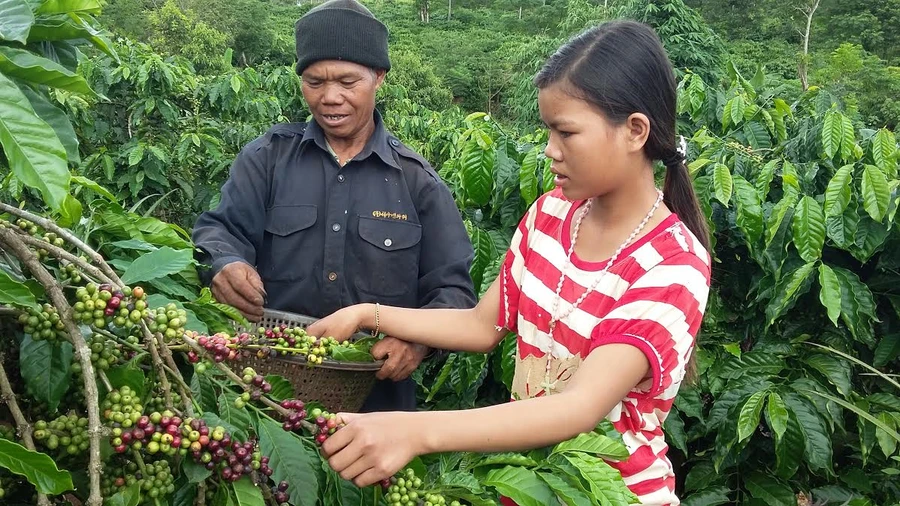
point(16, 293)
point(817, 446)
point(238, 418)
point(857, 305)
point(27, 66)
point(129, 375)
point(848, 139)
point(787, 291)
point(130, 496)
point(185, 493)
point(157, 264)
point(764, 178)
point(708, 497)
point(290, 461)
point(777, 217)
point(830, 292)
point(59, 122)
point(213, 420)
point(66, 27)
point(194, 472)
point(136, 155)
point(748, 419)
point(65, 6)
point(528, 183)
point(281, 388)
point(842, 229)
point(838, 193)
point(45, 369)
point(695, 165)
point(722, 183)
point(735, 109)
point(859, 412)
point(16, 20)
point(887, 443)
point(808, 227)
point(772, 491)
point(34, 152)
point(350, 354)
point(832, 133)
point(757, 136)
point(505, 459)
point(605, 482)
point(95, 187)
point(836, 371)
point(776, 414)
point(521, 485)
point(38, 468)
point(476, 174)
point(236, 83)
point(247, 494)
point(883, 147)
point(875, 192)
point(789, 448)
point(749, 209)
point(887, 350)
point(564, 489)
point(595, 444)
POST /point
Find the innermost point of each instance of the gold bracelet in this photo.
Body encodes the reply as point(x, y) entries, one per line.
point(377, 322)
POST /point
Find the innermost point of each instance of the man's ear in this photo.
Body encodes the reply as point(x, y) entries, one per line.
point(379, 77)
point(637, 130)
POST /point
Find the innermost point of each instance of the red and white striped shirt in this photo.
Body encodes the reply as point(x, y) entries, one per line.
point(653, 297)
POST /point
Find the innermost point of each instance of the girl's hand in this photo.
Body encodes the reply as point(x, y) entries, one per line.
point(373, 446)
point(340, 325)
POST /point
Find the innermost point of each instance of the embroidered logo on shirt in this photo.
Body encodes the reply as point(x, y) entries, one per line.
point(390, 215)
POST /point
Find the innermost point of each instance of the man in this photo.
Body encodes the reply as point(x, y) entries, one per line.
point(318, 216)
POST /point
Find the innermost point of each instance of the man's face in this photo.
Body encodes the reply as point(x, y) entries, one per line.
point(341, 96)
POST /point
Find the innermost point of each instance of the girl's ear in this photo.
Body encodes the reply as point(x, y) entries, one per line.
point(637, 130)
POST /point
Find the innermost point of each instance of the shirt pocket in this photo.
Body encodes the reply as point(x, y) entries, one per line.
point(287, 236)
point(388, 257)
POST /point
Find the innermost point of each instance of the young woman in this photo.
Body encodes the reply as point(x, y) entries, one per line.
point(605, 283)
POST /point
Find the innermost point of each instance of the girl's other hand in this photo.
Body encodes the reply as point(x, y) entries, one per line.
point(340, 325)
point(372, 447)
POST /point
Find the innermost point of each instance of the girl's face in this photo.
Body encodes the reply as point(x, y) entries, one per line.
point(590, 155)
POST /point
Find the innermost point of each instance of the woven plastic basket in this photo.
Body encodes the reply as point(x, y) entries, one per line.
point(339, 386)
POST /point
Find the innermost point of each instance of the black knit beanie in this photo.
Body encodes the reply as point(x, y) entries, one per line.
point(341, 30)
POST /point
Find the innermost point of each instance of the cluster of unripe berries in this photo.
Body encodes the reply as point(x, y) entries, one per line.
point(122, 407)
point(67, 432)
point(169, 321)
point(44, 324)
point(155, 480)
point(405, 489)
point(104, 353)
point(70, 273)
point(97, 305)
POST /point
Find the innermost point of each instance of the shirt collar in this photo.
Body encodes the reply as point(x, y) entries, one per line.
point(379, 143)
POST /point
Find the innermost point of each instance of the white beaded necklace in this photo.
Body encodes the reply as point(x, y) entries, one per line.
point(547, 385)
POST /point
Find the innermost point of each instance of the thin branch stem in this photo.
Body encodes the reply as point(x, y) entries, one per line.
point(62, 254)
point(23, 428)
point(11, 241)
point(183, 389)
point(65, 234)
point(150, 341)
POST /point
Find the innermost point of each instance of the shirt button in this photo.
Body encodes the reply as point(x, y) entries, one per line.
point(340, 178)
point(336, 227)
point(395, 142)
point(388, 242)
point(332, 276)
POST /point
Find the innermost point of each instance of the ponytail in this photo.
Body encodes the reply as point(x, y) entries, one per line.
point(680, 198)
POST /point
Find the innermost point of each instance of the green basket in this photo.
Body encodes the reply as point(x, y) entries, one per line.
point(339, 386)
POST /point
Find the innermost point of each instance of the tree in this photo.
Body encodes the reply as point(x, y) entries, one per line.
point(809, 10)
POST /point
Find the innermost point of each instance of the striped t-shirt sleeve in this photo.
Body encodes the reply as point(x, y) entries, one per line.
point(660, 314)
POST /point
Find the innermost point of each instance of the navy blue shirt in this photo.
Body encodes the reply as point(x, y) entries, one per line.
point(382, 228)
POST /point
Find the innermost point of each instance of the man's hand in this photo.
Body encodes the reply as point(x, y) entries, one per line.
point(239, 285)
point(402, 358)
